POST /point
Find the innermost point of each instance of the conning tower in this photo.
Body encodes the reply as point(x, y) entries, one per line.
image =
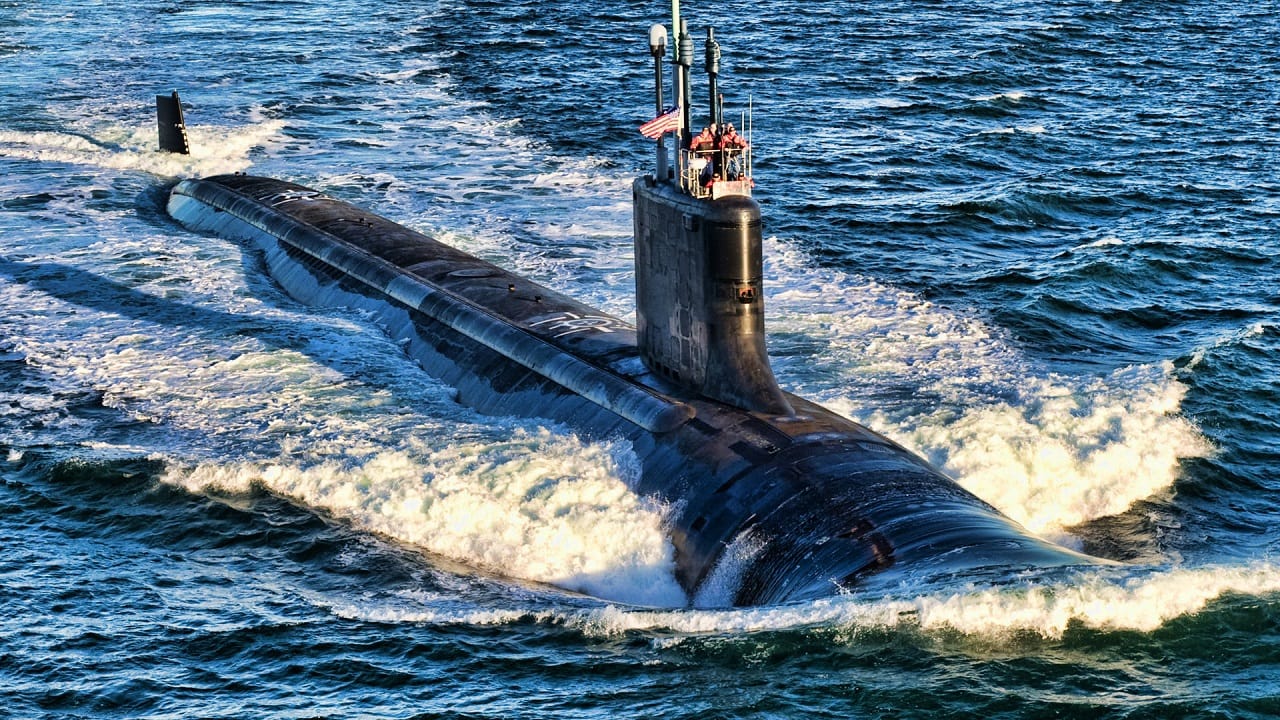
point(699, 264)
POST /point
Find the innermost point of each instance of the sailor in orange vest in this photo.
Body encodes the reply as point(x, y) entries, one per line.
point(731, 145)
point(703, 147)
point(705, 140)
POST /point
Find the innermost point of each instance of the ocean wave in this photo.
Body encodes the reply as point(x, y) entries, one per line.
point(1140, 600)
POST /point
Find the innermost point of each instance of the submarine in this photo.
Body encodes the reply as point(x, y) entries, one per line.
point(770, 497)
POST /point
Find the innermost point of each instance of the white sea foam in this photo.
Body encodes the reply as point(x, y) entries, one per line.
point(1067, 451)
point(1051, 451)
point(1015, 96)
point(1109, 241)
point(1138, 600)
point(722, 583)
point(1141, 603)
point(133, 147)
point(540, 506)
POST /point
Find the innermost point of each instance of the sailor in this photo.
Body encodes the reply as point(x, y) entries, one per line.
point(703, 147)
point(731, 139)
point(705, 140)
point(731, 146)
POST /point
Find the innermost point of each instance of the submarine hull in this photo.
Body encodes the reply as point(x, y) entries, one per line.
point(763, 508)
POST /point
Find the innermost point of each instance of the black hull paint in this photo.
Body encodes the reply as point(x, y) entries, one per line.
point(792, 507)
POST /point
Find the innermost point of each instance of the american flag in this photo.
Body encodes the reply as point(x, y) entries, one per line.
point(666, 122)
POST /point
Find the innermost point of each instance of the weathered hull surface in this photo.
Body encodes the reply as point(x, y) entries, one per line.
point(788, 507)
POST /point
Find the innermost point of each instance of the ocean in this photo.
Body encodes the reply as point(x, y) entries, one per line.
point(1036, 242)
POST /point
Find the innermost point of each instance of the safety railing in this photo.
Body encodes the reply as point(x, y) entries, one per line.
point(716, 173)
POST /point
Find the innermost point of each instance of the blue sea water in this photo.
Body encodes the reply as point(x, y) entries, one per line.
point(1035, 242)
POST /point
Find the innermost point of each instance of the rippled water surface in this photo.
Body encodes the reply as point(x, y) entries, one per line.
point(1035, 242)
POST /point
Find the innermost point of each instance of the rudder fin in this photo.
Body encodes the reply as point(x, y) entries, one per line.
point(171, 126)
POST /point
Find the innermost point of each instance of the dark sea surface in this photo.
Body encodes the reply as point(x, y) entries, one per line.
point(1037, 242)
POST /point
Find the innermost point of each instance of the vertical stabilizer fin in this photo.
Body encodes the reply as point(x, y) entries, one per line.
point(173, 130)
